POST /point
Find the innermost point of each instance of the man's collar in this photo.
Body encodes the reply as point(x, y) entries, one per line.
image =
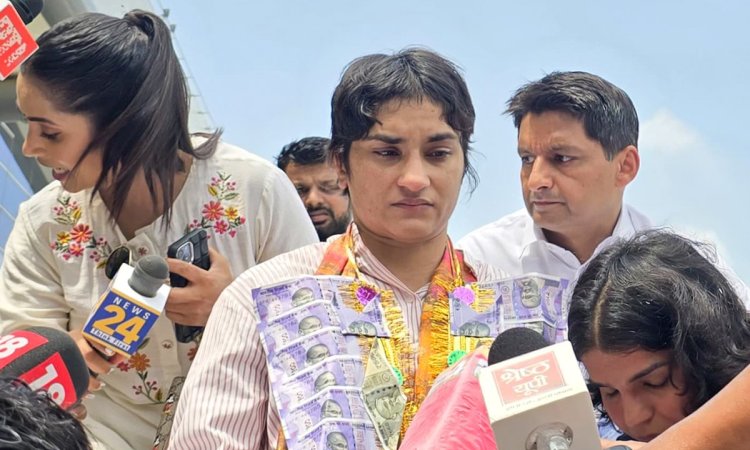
point(624, 225)
point(532, 233)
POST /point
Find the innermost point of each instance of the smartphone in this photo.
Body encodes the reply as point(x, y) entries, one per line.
point(191, 248)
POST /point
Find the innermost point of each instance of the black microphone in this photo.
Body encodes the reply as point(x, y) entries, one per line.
point(27, 9)
point(47, 359)
point(514, 342)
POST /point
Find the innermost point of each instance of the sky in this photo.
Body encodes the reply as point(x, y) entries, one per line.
point(266, 71)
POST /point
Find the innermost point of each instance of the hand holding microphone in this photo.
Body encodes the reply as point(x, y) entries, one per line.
point(455, 404)
point(128, 308)
point(529, 396)
point(99, 359)
point(453, 413)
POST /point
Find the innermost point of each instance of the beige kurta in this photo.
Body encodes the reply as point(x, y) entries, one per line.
point(53, 272)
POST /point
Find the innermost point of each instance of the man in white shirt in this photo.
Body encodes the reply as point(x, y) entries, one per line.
point(577, 141)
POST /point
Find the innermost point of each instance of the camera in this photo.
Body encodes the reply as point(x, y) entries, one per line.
point(185, 252)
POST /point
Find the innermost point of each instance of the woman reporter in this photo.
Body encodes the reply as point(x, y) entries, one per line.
point(659, 329)
point(107, 106)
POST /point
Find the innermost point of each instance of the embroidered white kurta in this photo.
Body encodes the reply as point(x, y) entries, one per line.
point(53, 272)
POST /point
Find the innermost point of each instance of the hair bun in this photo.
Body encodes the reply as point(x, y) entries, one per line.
point(141, 19)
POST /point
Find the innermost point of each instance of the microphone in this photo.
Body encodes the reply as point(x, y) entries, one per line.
point(514, 342)
point(537, 400)
point(16, 42)
point(130, 306)
point(455, 404)
point(47, 359)
point(27, 9)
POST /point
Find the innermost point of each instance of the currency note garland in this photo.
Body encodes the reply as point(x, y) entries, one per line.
point(292, 339)
point(435, 338)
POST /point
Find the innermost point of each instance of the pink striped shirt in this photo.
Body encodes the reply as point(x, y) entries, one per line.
point(225, 401)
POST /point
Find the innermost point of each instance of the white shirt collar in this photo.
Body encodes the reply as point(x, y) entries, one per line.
point(628, 222)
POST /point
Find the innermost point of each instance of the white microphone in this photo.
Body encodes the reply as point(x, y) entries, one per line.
point(130, 306)
point(538, 400)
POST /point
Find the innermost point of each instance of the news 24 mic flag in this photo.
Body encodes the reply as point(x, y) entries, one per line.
point(539, 394)
point(130, 306)
point(16, 42)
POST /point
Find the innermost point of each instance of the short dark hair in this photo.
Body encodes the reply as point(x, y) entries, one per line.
point(657, 291)
point(607, 113)
point(30, 420)
point(371, 81)
point(124, 75)
point(306, 151)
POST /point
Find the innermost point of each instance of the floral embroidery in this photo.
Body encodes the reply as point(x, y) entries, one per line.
point(74, 242)
point(221, 227)
point(221, 214)
point(213, 210)
point(140, 362)
point(81, 233)
point(67, 212)
point(75, 249)
point(148, 388)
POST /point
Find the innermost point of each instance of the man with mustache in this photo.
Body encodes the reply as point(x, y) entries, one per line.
point(317, 183)
point(577, 144)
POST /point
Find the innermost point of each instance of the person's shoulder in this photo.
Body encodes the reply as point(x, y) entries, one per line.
point(231, 152)
point(639, 220)
point(230, 157)
point(230, 163)
point(503, 228)
point(51, 203)
point(484, 271)
point(499, 243)
point(302, 261)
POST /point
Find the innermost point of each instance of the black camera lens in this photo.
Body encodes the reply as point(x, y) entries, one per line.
point(185, 252)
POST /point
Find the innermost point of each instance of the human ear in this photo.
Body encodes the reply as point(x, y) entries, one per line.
point(343, 175)
point(628, 163)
